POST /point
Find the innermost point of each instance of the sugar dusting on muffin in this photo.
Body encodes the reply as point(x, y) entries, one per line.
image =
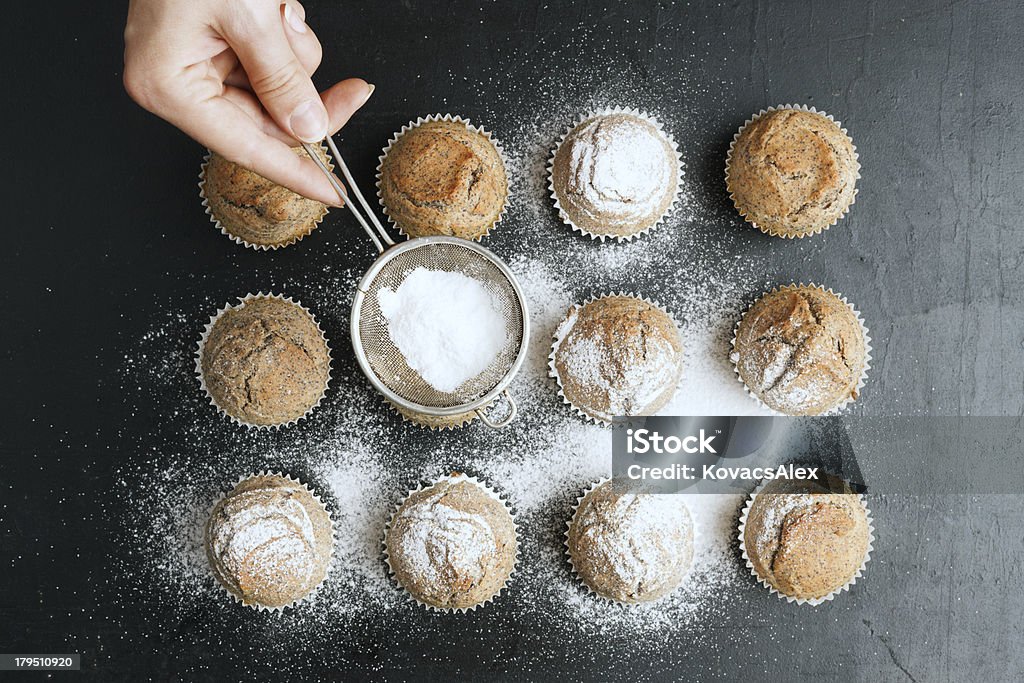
point(630, 547)
point(615, 175)
point(616, 356)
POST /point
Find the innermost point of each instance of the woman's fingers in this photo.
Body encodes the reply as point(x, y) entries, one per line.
point(344, 99)
point(229, 130)
point(341, 100)
point(276, 75)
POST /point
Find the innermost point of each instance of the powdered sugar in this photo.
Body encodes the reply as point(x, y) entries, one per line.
point(264, 537)
point(439, 539)
point(620, 170)
point(645, 541)
point(629, 375)
point(447, 325)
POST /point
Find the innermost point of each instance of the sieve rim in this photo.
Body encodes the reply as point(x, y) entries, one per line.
point(362, 289)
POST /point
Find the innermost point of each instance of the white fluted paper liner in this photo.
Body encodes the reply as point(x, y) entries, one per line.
point(572, 564)
point(453, 119)
point(734, 356)
point(564, 215)
point(308, 597)
point(728, 163)
point(789, 598)
point(557, 341)
point(238, 240)
point(209, 328)
point(453, 478)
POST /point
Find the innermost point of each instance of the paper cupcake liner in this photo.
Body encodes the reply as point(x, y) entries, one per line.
point(557, 340)
point(308, 597)
point(789, 598)
point(437, 423)
point(579, 577)
point(454, 119)
point(563, 214)
point(421, 486)
point(238, 240)
point(728, 162)
point(209, 328)
point(734, 356)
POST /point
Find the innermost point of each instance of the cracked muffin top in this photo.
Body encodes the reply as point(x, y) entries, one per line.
point(630, 547)
point(265, 362)
point(442, 178)
point(805, 542)
point(792, 173)
point(617, 356)
point(255, 210)
point(801, 350)
point(269, 541)
point(452, 545)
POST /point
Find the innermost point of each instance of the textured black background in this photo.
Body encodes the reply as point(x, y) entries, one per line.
point(101, 220)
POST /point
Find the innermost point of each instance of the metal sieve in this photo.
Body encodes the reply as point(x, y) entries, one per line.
point(382, 362)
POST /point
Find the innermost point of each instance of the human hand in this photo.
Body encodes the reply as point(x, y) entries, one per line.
point(235, 76)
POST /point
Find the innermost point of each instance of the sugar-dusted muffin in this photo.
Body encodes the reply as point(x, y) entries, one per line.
point(792, 173)
point(615, 175)
point(254, 210)
point(265, 362)
point(805, 542)
point(269, 541)
point(630, 547)
point(443, 177)
point(452, 545)
point(802, 350)
point(617, 356)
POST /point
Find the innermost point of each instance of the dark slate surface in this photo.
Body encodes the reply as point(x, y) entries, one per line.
point(102, 221)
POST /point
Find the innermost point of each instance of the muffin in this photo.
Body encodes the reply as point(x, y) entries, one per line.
point(628, 547)
point(265, 362)
point(435, 422)
point(615, 175)
point(791, 172)
point(617, 356)
point(254, 211)
point(804, 541)
point(443, 177)
point(452, 545)
point(269, 541)
point(801, 350)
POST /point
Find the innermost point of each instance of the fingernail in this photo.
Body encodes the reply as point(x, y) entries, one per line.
point(309, 121)
point(369, 91)
point(294, 20)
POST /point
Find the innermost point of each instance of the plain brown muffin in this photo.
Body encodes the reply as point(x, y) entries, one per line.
point(629, 547)
point(255, 210)
point(615, 175)
point(269, 541)
point(801, 350)
point(452, 545)
point(442, 178)
point(265, 362)
point(804, 541)
point(792, 173)
point(436, 422)
point(617, 356)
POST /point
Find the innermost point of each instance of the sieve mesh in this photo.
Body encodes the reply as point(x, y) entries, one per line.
point(388, 363)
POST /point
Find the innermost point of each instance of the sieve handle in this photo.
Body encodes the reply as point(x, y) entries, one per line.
point(355, 190)
point(512, 411)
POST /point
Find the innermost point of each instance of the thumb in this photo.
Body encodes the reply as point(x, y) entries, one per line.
point(278, 78)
